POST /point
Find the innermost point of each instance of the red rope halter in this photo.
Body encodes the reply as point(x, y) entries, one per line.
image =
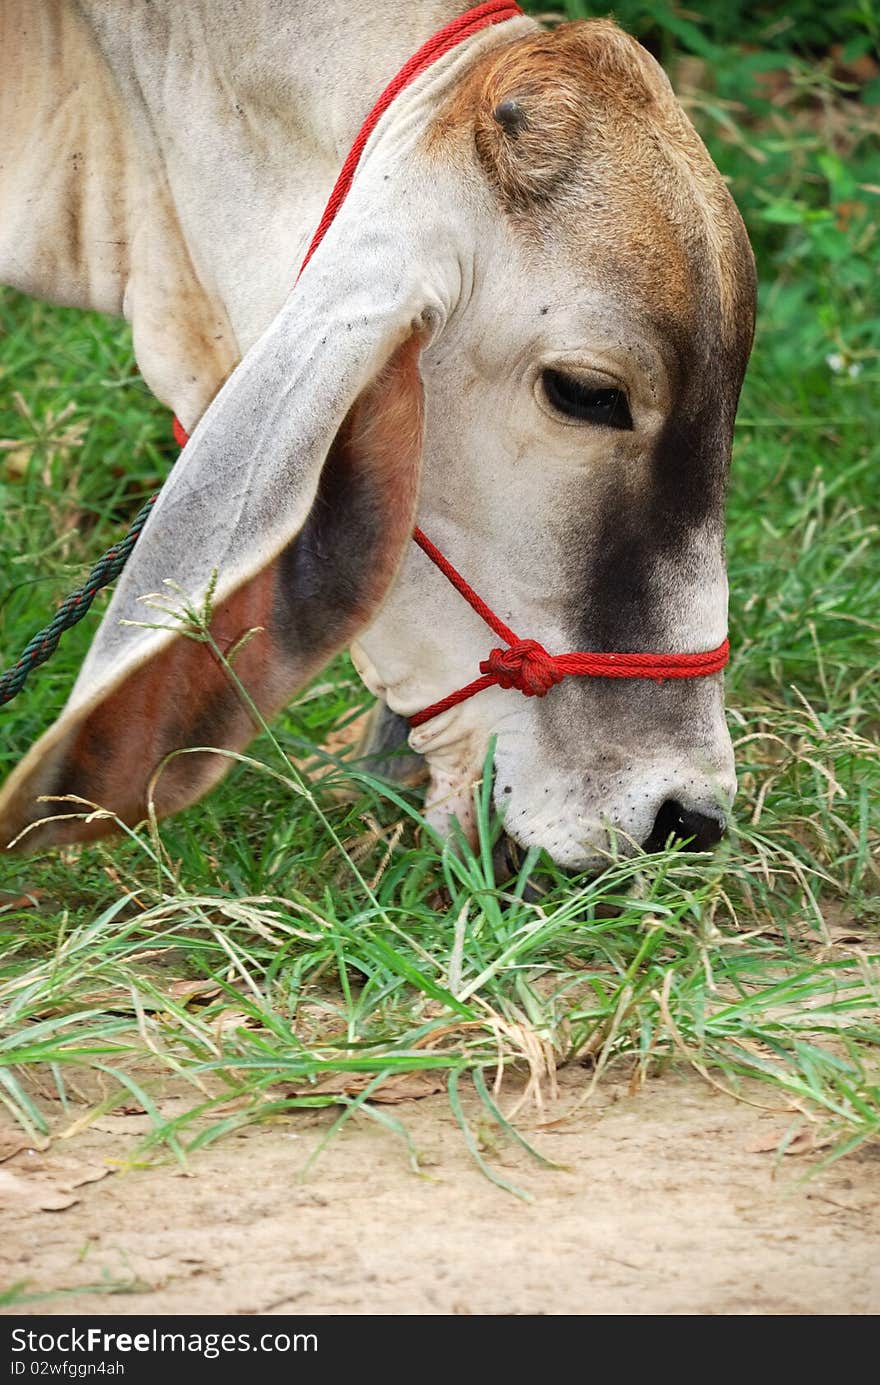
point(524, 664)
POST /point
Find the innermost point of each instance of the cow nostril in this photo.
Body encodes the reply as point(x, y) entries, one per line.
point(701, 831)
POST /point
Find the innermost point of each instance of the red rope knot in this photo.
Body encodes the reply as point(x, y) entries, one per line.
point(526, 666)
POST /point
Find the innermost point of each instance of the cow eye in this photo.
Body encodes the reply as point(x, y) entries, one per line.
point(575, 399)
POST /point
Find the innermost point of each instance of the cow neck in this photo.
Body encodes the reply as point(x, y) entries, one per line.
point(523, 664)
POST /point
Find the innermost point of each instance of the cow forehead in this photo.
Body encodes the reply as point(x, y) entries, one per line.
point(591, 157)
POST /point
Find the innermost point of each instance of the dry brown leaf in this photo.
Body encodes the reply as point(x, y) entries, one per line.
point(187, 990)
point(226, 1021)
point(766, 1143)
point(861, 68)
point(805, 1141)
point(66, 1168)
point(24, 899)
point(17, 460)
point(14, 1142)
point(24, 1194)
point(46, 1185)
point(132, 1120)
point(122, 1125)
point(403, 1086)
point(848, 933)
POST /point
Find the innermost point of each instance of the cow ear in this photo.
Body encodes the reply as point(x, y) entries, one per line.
point(294, 614)
point(292, 502)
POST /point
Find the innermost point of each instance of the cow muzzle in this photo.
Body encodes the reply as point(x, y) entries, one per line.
point(614, 803)
point(675, 825)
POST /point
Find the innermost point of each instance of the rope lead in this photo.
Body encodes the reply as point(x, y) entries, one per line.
point(73, 608)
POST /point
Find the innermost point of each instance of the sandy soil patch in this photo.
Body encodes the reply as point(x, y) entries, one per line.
point(670, 1204)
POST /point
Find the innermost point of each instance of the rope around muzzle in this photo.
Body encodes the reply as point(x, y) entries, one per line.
point(523, 665)
point(526, 665)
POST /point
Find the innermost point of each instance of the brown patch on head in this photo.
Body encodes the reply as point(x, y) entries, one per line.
point(582, 140)
point(558, 83)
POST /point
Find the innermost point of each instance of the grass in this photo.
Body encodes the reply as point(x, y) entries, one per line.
point(273, 949)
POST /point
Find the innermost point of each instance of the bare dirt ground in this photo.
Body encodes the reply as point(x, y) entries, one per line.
point(672, 1202)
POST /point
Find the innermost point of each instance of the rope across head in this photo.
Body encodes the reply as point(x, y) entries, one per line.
point(527, 667)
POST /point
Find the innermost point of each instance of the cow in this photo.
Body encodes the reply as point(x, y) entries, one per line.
point(526, 331)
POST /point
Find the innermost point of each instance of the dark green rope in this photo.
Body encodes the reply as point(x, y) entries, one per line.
point(73, 608)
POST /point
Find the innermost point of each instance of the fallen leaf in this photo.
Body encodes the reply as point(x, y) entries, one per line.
point(18, 458)
point(848, 933)
point(13, 1142)
point(122, 1125)
point(24, 899)
point(73, 1172)
point(46, 1185)
point(403, 1086)
point(804, 1141)
point(861, 68)
point(32, 1194)
point(186, 990)
point(226, 1021)
point(133, 1120)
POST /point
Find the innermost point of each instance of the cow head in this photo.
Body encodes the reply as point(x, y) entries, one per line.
point(528, 326)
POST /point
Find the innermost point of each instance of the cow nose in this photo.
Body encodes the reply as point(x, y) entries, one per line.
point(701, 831)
